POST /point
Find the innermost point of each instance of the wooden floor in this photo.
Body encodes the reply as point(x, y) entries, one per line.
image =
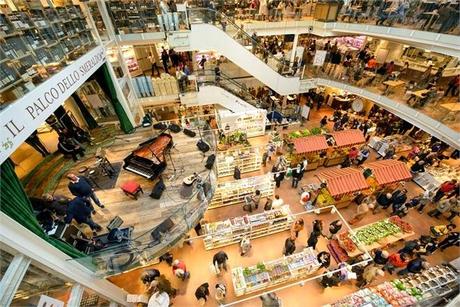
point(268, 248)
point(145, 212)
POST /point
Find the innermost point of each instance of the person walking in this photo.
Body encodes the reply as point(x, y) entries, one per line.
point(34, 141)
point(314, 235)
point(80, 186)
point(202, 293)
point(180, 270)
point(289, 246)
point(453, 238)
point(424, 199)
point(414, 266)
point(296, 227)
point(362, 209)
point(395, 260)
point(270, 300)
point(445, 188)
point(334, 228)
point(165, 60)
point(80, 209)
point(442, 207)
point(221, 292)
point(245, 246)
point(370, 273)
point(277, 202)
point(296, 176)
point(380, 257)
point(220, 260)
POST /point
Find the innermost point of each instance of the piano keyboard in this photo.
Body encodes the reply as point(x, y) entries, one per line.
point(139, 171)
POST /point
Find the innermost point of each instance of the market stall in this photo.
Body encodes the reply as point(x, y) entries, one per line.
point(246, 159)
point(340, 184)
point(309, 147)
point(401, 143)
point(231, 231)
point(251, 122)
point(343, 142)
point(385, 172)
point(375, 235)
point(268, 274)
point(233, 192)
point(434, 176)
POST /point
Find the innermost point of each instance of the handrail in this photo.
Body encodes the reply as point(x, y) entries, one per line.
point(205, 15)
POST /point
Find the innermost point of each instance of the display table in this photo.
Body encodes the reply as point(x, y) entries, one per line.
point(391, 84)
point(268, 274)
point(432, 178)
point(231, 231)
point(387, 231)
point(426, 181)
point(246, 159)
point(233, 192)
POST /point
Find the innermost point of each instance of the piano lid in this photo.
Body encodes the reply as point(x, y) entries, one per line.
point(154, 147)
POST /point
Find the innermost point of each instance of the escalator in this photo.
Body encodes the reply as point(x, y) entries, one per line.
point(214, 30)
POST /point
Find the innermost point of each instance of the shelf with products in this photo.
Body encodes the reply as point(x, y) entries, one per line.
point(361, 298)
point(33, 38)
point(6, 27)
point(233, 192)
point(268, 274)
point(62, 13)
point(231, 231)
point(20, 20)
point(251, 122)
point(8, 76)
point(14, 47)
point(246, 159)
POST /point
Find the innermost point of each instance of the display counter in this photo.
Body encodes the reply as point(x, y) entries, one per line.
point(375, 235)
point(273, 273)
point(401, 143)
point(433, 177)
point(232, 230)
point(233, 192)
point(246, 159)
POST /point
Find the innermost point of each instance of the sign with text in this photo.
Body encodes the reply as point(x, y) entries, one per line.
point(23, 116)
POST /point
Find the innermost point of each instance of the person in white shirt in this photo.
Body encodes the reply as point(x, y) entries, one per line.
point(277, 202)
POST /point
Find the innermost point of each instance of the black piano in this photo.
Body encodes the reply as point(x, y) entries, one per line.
point(148, 160)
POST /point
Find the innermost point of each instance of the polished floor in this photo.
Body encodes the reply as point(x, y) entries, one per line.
point(269, 248)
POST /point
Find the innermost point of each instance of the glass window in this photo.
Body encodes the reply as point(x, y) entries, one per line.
point(5, 260)
point(38, 282)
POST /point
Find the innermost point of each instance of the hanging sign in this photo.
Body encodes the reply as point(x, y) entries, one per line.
point(22, 117)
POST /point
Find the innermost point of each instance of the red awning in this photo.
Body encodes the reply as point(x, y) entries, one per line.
point(348, 137)
point(310, 144)
point(389, 171)
point(343, 181)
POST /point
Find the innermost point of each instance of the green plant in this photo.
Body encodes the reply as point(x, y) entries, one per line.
point(316, 131)
point(260, 266)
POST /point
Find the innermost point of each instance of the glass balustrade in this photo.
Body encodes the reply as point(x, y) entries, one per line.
point(147, 247)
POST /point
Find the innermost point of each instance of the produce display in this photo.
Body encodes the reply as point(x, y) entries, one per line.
point(337, 251)
point(395, 296)
point(271, 273)
point(378, 233)
point(231, 231)
point(404, 226)
point(375, 232)
point(324, 198)
point(364, 297)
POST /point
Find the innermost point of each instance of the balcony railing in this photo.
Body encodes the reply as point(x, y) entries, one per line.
point(147, 247)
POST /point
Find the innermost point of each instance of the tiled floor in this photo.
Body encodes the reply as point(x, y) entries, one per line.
point(268, 248)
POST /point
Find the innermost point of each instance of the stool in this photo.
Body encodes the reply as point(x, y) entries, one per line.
point(131, 188)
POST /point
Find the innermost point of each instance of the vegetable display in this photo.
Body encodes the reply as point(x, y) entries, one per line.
point(404, 226)
point(375, 232)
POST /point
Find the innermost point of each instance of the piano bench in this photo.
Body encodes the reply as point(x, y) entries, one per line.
point(131, 188)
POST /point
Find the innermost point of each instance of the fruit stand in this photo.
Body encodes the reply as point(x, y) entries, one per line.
point(343, 142)
point(385, 173)
point(375, 235)
point(231, 231)
point(340, 186)
point(272, 273)
point(308, 147)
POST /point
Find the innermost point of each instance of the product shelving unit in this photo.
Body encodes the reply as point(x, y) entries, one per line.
point(231, 231)
point(272, 273)
point(251, 122)
point(36, 41)
point(246, 159)
point(233, 192)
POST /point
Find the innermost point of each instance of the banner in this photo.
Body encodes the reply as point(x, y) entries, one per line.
point(22, 117)
point(319, 58)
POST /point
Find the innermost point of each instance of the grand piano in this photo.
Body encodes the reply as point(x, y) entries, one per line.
point(148, 160)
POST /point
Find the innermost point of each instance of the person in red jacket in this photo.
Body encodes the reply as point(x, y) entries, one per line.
point(180, 270)
point(396, 260)
point(445, 188)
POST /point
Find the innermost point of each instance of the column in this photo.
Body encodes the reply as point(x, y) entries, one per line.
point(294, 48)
point(12, 278)
point(75, 296)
